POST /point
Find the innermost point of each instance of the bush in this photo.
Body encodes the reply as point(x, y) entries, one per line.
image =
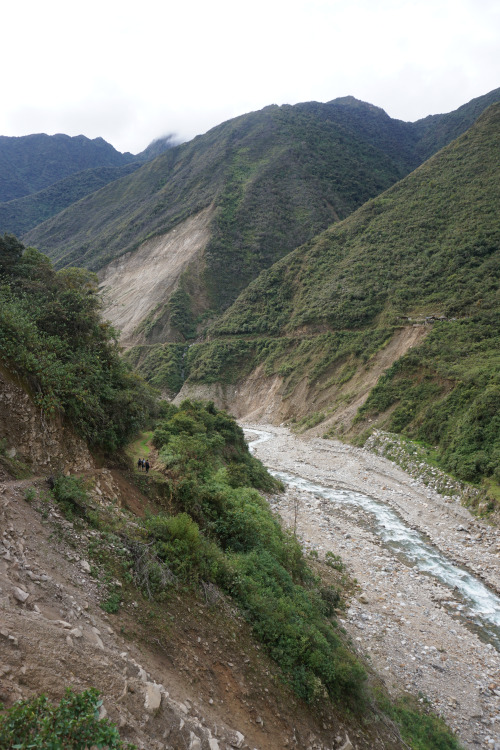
point(73, 724)
point(424, 730)
point(71, 494)
point(225, 534)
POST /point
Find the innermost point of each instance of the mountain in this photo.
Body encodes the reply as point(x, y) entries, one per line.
point(33, 162)
point(42, 174)
point(203, 219)
point(22, 214)
point(436, 131)
point(389, 318)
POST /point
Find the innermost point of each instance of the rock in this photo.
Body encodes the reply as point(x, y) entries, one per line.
point(20, 594)
point(85, 566)
point(213, 744)
point(152, 700)
point(76, 632)
point(195, 742)
point(236, 739)
point(347, 744)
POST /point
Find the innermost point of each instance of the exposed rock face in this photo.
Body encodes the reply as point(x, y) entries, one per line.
point(267, 398)
point(138, 284)
point(44, 444)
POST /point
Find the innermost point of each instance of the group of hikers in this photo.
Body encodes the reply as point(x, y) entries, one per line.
point(143, 465)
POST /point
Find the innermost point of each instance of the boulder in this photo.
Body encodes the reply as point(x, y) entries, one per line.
point(152, 700)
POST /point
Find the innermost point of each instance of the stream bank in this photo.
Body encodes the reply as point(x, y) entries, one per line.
point(404, 621)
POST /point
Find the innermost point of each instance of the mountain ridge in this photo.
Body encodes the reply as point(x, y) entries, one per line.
point(40, 175)
point(275, 178)
point(428, 248)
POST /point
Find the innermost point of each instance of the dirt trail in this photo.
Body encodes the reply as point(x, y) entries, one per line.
point(404, 622)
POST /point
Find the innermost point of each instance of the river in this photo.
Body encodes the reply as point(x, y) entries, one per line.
point(423, 615)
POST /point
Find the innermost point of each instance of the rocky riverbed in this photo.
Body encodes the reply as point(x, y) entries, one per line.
point(406, 623)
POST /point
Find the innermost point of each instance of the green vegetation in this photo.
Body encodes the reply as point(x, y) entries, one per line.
point(421, 728)
point(275, 178)
point(20, 215)
point(33, 162)
point(53, 338)
point(222, 532)
point(71, 494)
point(429, 246)
point(161, 365)
point(447, 394)
point(73, 724)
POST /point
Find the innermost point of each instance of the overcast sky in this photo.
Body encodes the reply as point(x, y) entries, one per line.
point(130, 72)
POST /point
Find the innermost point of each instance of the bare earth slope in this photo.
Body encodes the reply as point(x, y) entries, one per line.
point(140, 282)
point(258, 397)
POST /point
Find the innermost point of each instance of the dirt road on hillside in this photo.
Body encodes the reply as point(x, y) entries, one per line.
point(404, 622)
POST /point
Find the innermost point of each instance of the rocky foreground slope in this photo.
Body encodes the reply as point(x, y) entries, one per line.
point(182, 673)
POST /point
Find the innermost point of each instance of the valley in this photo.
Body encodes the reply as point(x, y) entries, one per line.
point(403, 619)
point(321, 273)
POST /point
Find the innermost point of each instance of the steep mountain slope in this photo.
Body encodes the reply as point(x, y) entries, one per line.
point(281, 159)
point(273, 178)
point(436, 131)
point(427, 248)
point(33, 162)
point(42, 160)
point(22, 214)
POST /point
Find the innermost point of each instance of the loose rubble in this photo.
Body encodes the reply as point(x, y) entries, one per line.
point(54, 634)
point(402, 621)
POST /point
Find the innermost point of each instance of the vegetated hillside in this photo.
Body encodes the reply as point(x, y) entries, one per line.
point(22, 214)
point(51, 156)
point(31, 163)
point(276, 176)
point(193, 612)
point(436, 131)
point(217, 577)
point(428, 247)
point(53, 339)
point(273, 179)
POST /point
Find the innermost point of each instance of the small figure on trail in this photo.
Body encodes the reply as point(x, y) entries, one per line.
point(139, 464)
point(147, 466)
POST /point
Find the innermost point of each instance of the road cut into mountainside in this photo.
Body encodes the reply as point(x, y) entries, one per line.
point(427, 611)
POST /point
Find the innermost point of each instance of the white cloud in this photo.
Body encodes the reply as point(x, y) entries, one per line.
point(130, 72)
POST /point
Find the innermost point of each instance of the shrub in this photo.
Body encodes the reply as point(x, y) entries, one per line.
point(71, 494)
point(424, 730)
point(73, 724)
